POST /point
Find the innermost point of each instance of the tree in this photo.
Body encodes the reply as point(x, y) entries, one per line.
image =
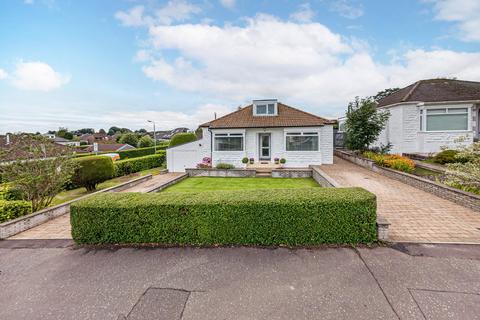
point(181, 138)
point(145, 142)
point(129, 138)
point(92, 171)
point(141, 131)
point(382, 94)
point(40, 170)
point(364, 123)
point(102, 131)
point(64, 133)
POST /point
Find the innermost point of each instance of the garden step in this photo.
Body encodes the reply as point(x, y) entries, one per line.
point(263, 174)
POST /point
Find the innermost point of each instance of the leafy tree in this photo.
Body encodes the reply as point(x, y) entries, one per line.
point(382, 94)
point(145, 142)
point(364, 123)
point(64, 133)
point(102, 131)
point(41, 169)
point(85, 131)
point(113, 130)
point(129, 138)
point(141, 131)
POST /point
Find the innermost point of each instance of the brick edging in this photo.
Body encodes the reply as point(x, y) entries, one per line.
point(20, 224)
point(465, 199)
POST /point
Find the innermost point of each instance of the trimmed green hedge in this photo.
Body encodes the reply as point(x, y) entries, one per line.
point(13, 209)
point(293, 217)
point(140, 152)
point(181, 138)
point(124, 167)
point(92, 171)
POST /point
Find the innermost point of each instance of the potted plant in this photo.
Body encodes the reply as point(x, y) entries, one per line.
point(277, 160)
point(282, 161)
point(251, 160)
point(244, 160)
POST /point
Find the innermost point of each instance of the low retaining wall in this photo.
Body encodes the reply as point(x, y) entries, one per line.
point(12, 227)
point(323, 179)
point(291, 173)
point(168, 184)
point(211, 172)
point(460, 197)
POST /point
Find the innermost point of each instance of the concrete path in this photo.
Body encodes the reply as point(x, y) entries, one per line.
point(240, 283)
point(415, 215)
point(59, 228)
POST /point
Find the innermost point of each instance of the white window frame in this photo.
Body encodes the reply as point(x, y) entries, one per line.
point(423, 114)
point(228, 134)
point(305, 133)
point(265, 103)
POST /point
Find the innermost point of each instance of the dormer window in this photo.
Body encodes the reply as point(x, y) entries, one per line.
point(265, 107)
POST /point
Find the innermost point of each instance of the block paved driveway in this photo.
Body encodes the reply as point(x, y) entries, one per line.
point(59, 228)
point(415, 215)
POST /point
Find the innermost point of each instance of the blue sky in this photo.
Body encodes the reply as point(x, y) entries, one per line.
point(102, 63)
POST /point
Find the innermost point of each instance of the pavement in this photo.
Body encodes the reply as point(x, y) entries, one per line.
point(415, 215)
point(55, 280)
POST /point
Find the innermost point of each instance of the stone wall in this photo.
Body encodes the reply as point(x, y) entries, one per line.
point(291, 173)
point(12, 227)
point(194, 172)
point(323, 179)
point(460, 197)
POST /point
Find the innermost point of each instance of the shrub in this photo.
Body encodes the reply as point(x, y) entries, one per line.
point(9, 193)
point(135, 153)
point(128, 166)
point(283, 160)
point(145, 142)
point(129, 138)
point(466, 175)
point(448, 156)
point(181, 138)
point(13, 209)
point(92, 171)
point(225, 166)
point(393, 161)
point(244, 160)
point(293, 217)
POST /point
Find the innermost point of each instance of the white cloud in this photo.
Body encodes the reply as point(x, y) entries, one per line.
point(303, 14)
point(37, 76)
point(28, 1)
point(3, 74)
point(228, 3)
point(465, 12)
point(346, 9)
point(174, 10)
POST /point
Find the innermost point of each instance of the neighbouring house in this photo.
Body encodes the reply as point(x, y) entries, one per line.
point(264, 130)
point(167, 135)
point(96, 137)
point(431, 114)
point(107, 147)
point(66, 142)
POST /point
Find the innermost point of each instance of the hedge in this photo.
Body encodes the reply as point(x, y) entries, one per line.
point(292, 217)
point(181, 138)
point(92, 171)
point(124, 167)
point(13, 209)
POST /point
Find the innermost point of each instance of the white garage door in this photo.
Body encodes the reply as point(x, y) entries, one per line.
point(178, 160)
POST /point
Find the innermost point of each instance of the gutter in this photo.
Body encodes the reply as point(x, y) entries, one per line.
point(431, 103)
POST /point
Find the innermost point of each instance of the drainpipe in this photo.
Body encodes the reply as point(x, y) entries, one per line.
point(211, 146)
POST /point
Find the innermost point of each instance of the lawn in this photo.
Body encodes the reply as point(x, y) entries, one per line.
point(76, 193)
point(196, 184)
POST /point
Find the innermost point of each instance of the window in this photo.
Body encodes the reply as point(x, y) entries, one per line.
point(265, 109)
point(229, 142)
point(262, 109)
point(445, 119)
point(301, 141)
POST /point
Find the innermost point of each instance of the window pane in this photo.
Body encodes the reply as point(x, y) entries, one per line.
point(261, 109)
point(436, 111)
point(458, 110)
point(447, 122)
point(228, 143)
point(271, 109)
point(302, 143)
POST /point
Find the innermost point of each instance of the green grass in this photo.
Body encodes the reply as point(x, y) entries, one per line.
point(422, 172)
point(197, 184)
point(79, 192)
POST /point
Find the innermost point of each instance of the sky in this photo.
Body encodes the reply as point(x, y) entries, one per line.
point(97, 64)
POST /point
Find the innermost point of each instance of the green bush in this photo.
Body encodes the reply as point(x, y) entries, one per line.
point(293, 217)
point(129, 138)
point(13, 209)
point(9, 193)
point(140, 152)
point(92, 171)
point(145, 142)
point(181, 138)
point(225, 166)
point(124, 167)
point(448, 156)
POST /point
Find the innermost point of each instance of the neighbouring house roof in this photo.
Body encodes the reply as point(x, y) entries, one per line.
point(287, 117)
point(60, 139)
point(434, 90)
point(111, 147)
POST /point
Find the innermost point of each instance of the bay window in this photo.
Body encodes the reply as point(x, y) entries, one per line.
point(446, 119)
point(229, 142)
point(301, 141)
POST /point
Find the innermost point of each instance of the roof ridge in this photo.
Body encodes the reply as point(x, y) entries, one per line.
point(228, 114)
point(305, 112)
point(409, 93)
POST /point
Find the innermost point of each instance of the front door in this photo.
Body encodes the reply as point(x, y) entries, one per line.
point(264, 151)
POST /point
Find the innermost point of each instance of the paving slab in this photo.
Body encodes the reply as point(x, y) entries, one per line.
point(159, 304)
